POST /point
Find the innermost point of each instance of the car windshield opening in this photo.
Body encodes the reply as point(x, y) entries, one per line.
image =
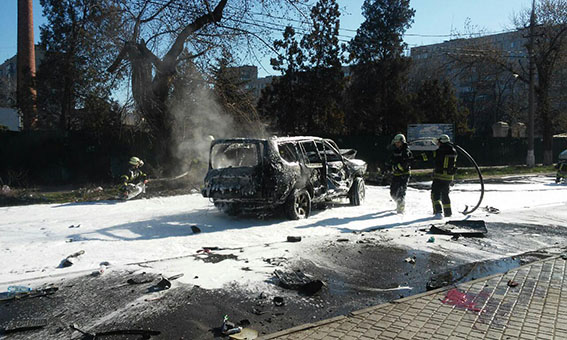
point(227, 155)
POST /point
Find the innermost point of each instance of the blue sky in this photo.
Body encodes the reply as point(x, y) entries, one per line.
point(433, 17)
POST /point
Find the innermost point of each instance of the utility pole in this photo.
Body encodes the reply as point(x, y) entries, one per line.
point(530, 159)
point(26, 92)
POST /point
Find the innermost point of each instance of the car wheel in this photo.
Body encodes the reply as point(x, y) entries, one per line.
point(298, 205)
point(357, 192)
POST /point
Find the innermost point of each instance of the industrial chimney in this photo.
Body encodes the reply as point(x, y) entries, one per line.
point(26, 92)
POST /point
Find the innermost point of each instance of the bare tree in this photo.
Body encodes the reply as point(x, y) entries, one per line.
point(191, 30)
point(550, 46)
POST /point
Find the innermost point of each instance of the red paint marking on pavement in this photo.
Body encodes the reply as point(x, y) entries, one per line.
point(460, 299)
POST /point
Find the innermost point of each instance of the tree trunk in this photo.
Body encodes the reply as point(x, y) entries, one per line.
point(151, 104)
point(543, 108)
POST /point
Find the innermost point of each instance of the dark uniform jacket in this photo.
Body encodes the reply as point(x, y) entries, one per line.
point(400, 160)
point(445, 162)
point(135, 175)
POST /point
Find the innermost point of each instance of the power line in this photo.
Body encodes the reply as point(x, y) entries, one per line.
point(273, 26)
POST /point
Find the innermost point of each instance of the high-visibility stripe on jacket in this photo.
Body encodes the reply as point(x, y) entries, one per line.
point(400, 160)
point(445, 162)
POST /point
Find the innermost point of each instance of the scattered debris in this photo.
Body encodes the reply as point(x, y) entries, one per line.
point(276, 261)
point(342, 240)
point(77, 254)
point(23, 325)
point(294, 238)
point(466, 228)
point(164, 283)
point(74, 226)
point(257, 311)
point(228, 327)
point(140, 279)
point(19, 289)
point(145, 333)
point(66, 262)
point(195, 229)
point(97, 189)
point(298, 281)
point(410, 260)
point(175, 277)
point(278, 301)
point(491, 210)
point(8, 296)
point(216, 258)
point(512, 283)
point(564, 256)
point(455, 237)
point(431, 239)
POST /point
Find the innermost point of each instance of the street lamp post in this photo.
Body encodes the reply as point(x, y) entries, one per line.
point(530, 159)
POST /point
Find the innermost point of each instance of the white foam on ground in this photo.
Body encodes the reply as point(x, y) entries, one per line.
point(35, 238)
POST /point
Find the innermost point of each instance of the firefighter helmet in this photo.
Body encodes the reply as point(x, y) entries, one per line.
point(444, 139)
point(399, 138)
point(136, 161)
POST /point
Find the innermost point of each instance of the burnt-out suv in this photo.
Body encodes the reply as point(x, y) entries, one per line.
point(290, 172)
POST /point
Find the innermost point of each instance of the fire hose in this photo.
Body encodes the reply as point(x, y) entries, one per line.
point(469, 157)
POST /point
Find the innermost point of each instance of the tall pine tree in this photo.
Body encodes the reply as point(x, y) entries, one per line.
point(72, 80)
point(377, 99)
point(323, 74)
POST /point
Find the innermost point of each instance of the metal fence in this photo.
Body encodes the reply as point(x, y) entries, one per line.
point(52, 158)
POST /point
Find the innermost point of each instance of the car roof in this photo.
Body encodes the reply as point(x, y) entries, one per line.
point(274, 138)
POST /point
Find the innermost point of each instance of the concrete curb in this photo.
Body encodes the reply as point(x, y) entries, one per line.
point(398, 301)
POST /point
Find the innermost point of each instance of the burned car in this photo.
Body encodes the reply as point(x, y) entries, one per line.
point(294, 173)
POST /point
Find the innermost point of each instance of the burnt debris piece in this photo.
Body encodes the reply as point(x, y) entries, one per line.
point(164, 283)
point(491, 210)
point(66, 262)
point(294, 238)
point(466, 228)
point(145, 333)
point(278, 301)
point(9, 296)
point(22, 325)
point(298, 281)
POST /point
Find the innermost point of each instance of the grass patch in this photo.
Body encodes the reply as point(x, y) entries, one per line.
point(13, 197)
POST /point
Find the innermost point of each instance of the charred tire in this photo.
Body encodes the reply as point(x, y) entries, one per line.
point(298, 204)
point(357, 192)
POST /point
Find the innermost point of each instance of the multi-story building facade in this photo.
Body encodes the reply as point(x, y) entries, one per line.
point(489, 91)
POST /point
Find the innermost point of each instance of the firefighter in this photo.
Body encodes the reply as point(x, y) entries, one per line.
point(400, 163)
point(135, 176)
point(561, 167)
point(443, 175)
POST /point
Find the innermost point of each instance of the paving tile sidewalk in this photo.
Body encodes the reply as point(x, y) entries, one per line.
point(487, 308)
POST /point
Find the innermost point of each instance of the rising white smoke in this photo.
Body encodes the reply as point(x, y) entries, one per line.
point(198, 116)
